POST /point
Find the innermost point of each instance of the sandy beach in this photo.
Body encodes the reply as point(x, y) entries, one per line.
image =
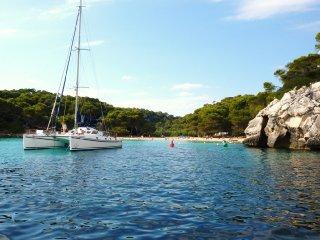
point(177, 139)
point(189, 139)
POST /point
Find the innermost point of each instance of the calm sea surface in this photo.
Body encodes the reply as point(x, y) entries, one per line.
point(148, 190)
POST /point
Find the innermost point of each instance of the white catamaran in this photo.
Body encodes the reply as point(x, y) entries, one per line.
point(80, 138)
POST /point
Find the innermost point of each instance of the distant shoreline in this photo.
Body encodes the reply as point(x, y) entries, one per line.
point(182, 139)
point(11, 135)
point(188, 139)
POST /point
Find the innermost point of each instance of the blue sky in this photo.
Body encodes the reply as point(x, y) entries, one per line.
point(163, 55)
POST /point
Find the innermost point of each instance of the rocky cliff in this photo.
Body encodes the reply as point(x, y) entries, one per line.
point(292, 122)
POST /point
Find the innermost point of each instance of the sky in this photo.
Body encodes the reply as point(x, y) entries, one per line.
point(163, 55)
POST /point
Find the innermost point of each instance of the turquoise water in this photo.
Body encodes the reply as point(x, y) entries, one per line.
point(148, 190)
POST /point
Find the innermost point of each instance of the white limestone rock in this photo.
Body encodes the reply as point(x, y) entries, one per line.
point(292, 122)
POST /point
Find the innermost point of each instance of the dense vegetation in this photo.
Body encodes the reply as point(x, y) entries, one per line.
point(29, 109)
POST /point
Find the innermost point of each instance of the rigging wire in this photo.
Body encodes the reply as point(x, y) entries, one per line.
point(59, 95)
point(67, 67)
point(87, 33)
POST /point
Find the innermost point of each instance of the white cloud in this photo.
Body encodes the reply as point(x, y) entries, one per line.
point(20, 32)
point(140, 94)
point(261, 9)
point(14, 80)
point(104, 94)
point(85, 2)
point(127, 78)
point(121, 97)
point(314, 26)
point(186, 86)
point(185, 94)
point(95, 43)
point(7, 32)
point(178, 106)
point(55, 12)
point(172, 104)
point(66, 9)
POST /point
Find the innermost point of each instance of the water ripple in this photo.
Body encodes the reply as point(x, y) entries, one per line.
point(147, 190)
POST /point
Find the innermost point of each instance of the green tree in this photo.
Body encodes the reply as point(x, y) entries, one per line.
point(318, 41)
point(269, 87)
point(300, 72)
point(10, 117)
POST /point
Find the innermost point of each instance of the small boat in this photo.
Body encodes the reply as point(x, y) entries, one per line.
point(80, 137)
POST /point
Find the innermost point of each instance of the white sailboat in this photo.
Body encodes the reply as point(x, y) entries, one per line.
point(80, 138)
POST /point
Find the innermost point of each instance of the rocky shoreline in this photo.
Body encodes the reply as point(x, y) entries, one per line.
point(292, 122)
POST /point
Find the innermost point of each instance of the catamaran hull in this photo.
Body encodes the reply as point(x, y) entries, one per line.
point(82, 143)
point(74, 143)
point(33, 141)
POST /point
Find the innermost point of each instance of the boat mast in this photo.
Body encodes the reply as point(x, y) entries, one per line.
point(58, 98)
point(78, 68)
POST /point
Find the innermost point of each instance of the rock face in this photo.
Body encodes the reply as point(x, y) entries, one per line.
point(292, 122)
